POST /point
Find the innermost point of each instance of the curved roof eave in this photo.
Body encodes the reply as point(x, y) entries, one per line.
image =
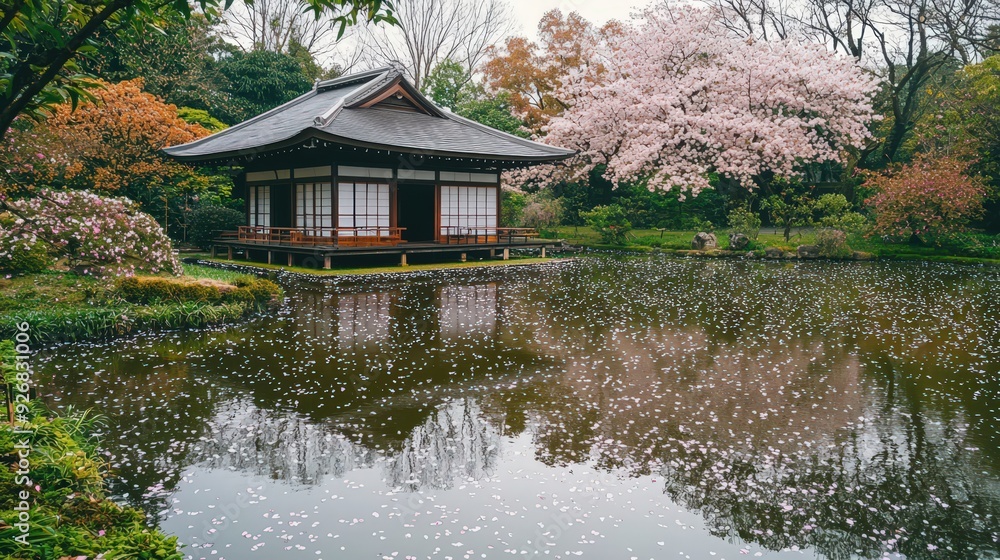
point(313, 132)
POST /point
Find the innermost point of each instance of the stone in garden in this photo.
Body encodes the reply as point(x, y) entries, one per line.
point(738, 241)
point(808, 252)
point(773, 253)
point(704, 241)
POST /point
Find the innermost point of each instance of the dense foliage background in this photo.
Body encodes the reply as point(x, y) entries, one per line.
point(927, 102)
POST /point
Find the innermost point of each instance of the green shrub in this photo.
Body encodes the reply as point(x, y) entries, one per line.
point(512, 205)
point(206, 222)
point(257, 291)
point(21, 257)
point(151, 289)
point(610, 222)
point(71, 514)
point(240, 295)
point(831, 205)
point(832, 244)
point(243, 281)
point(264, 290)
point(541, 212)
point(698, 224)
point(745, 221)
point(970, 244)
point(851, 223)
point(148, 290)
point(834, 211)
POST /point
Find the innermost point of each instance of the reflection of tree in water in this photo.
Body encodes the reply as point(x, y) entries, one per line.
point(741, 383)
point(766, 440)
point(454, 441)
point(285, 447)
point(877, 491)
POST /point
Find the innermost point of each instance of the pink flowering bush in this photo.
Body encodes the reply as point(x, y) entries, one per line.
point(97, 235)
point(675, 97)
point(930, 196)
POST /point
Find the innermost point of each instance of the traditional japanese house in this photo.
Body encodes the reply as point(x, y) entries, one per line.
point(365, 164)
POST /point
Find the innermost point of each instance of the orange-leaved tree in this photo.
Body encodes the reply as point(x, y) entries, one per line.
point(110, 145)
point(532, 73)
point(933, 195)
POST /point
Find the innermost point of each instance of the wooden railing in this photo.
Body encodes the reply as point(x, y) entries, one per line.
point(322, 236)
point(375, 236)
point(472, 235)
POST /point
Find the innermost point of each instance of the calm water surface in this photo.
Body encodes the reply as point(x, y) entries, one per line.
point(604, 408)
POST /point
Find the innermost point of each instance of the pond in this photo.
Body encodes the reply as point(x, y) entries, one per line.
point(604, 407)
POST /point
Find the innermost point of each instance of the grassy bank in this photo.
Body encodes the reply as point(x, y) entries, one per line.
point(973, 251)
point(387, 269)
point(53, 491)
point(62, 306)
point(648, 239)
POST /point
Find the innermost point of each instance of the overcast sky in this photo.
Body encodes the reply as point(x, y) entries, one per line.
point(528, 12)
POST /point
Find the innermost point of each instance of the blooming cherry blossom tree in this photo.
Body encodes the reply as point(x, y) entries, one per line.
point(675, 96)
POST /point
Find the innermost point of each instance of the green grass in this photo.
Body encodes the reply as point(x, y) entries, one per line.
point(647, 240)
point(210, 272)
point(62, 306)
point(348, 271)
point(674, 240)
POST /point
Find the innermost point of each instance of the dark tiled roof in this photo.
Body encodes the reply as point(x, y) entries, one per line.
point(332, 111)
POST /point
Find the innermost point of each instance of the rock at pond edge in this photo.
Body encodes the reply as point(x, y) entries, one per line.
point(704, 241)
point(738, 241)
point(808, 252)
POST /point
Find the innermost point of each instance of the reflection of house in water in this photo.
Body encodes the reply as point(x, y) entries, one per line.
point(367, 320)
point(312, 313)
point(354, 319)
point(363, 318)
point(468, 309)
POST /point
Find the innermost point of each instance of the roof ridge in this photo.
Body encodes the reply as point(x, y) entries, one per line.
point(330, 114)
point(385, 77)
point(343, 80)
point(348, 78)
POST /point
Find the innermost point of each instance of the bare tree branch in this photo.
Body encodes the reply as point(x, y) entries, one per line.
point(431, 31)
point(274, 25)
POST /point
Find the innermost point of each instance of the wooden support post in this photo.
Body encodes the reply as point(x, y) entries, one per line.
point(229, 253)
point(213, 250)
point(9, 397)
point(543, 252)
point(402, 259)
point(493, 253)
point(326, 262)
point(270, 257)
point(291, 259)
point(506, 253)
point(462, 257)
